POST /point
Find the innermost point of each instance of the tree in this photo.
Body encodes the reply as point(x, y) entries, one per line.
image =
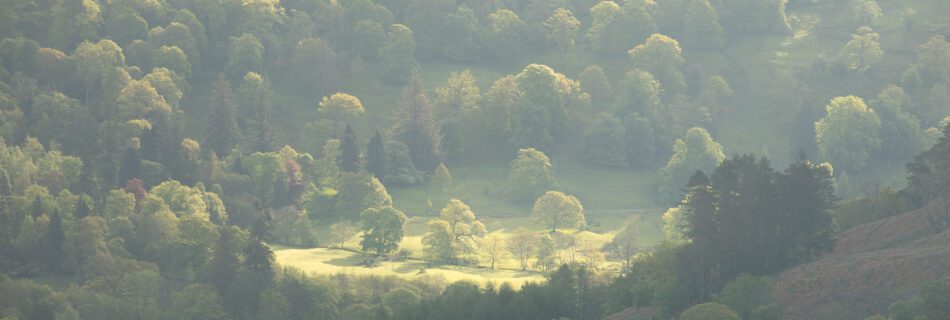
point(495, 248)
point(749, 296)
point(863, 51)
point(708, 311)
point(358, 192)
point(54, 239)
point(349, 159)
point(543, 106)
point(595, 82)
point(865, 12)
point(456, 240)
point(367, 37)
point(933, 61)
point(606, 141)
point(340, 107)
point(555, 209)
point(613, 29)
point(695, 152)
point(661, 56)
point(849, 134)
point(702, 26)
point(254, 111)
point(530, 175)
point(376, 156)
point(901, 133)
point(442, 178)
point(382, 229)
point(342, 231)
point(172, 58)
point(398, 54)
point(561, 28)
point(398, 167)
point(522, 246)
point(129, 168)
point(459, 33)
point(316, 65)
point(222, 133)
point(245, 55)
point(176, 35)
point(225, 261)
point(458, 99)
point(197, 302)
point(504, 34)
point(415, 126)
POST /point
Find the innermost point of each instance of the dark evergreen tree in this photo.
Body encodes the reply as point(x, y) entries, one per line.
point(82, 208)
point(8, 222)
point(416, 126)
point(222, 133)
point(349, 159)
point(376, 156)
point(224, 265)
point(700, 277)
point(54, 242)
point(263, 226)
point(129, 169)
point(929, 173)
point(264, 140)
point(807, 196)
point(37, 207)
point(89, 182)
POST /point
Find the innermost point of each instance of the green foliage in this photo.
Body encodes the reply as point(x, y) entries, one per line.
point(695, 152)
point(399, 169)
point(530, 175)
point(222, 133)
point(606, 141)
point(341, 106)
point(554, 209)
point(561, 28)
point(874, 206)
point(702, 29)
point(863, 51)
point(709, 311)
point(453, 238)
point(313, 61)
point(661, 56)
point(415, 126)
point(357, 193)
point(750, 297)
point(245, 55)
point(382, 229)
point(614, 29)
point(849, 134)
point(504, 34)
point(398, 54)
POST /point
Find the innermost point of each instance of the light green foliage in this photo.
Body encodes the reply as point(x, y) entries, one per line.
point(85, 239)
point(119, 203)
point(368, 36)
point(695, 152)
point(399, 301)
point(673, 222)
point(750, 297)
point(504, 34)
point(901, 133)
point(197, 302)
point(172, 58)
point(140, 100)
point(183, 200)
point(456, 240)
point(595, 82)
point(933, 61)
point(555, 209)
point(342, 231)
point(100, 65)
point(340, 106)
point(399, 166)
point(561, 28)
point(865, 12)
point(542, 111)
point(442, 179)
point(266, 171)
point(614, 28)
point(872, 207)
point(661, 56)
point(176, 35)
point(849, 134)
point(459, 32)
point(863, 51)
point(708, 311)
point(398, 54)
point(530, 175)
point(359, 192)
point(245, 54)
point(315, 64)
point(382, 229)
point(458, 99)
point(702, 29)
point(606, 141)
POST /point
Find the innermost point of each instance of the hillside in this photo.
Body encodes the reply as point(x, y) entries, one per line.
point(872, 266)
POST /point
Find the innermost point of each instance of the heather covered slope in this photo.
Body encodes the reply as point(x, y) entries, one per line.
point(872, 266)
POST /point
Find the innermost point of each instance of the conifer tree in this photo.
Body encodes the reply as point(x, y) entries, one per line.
point(129, 168)
point(416, 126)
point(222, 133)
point(349, 159)
point(82, 208)
point(54, 242)
point(37, 207)
point(376, 156)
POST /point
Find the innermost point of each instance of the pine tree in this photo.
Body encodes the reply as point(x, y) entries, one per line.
point(349, 159)
point(416, 126)
point(376, 156)
point(37, 207)
point(222, 133)
point(89, 182)
point(82, 208)
point(129, 169)
point(54, 242)
point(224, 265)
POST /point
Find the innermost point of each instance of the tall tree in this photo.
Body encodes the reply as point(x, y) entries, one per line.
point(129, 168)
point(224, 263)
point(561, 28)
point(555, 209)
point(54, 242)
point(398, 54)
point(849, 134)
point(382, 229)
point(530, 175)
point(222, 133)
point(416, 126)
point(702, 26)
point(696, 151)
point(661, 56)
point(376, 156)
point(349, 159)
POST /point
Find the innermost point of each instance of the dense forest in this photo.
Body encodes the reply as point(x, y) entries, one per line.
point(474, 159)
